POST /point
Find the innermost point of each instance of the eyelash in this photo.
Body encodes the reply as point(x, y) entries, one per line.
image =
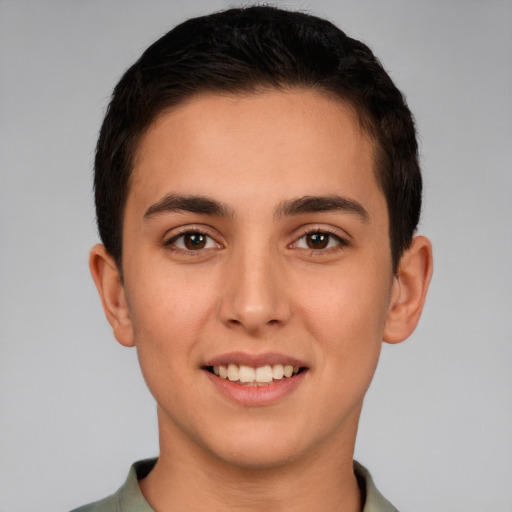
point(339, 241)
point(171, 242)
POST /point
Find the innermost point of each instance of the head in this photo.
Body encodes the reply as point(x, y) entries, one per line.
point(242, 51)
point(257, 190)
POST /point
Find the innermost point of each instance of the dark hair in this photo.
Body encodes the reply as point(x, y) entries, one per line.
point(248, 50)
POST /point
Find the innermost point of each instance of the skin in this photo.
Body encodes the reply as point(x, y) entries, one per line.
point(256, 286)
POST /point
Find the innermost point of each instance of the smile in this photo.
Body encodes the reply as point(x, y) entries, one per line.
point(256, 380)
point(260, 376)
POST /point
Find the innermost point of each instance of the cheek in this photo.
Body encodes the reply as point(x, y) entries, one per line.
point(346, 316)
point(170, 301)
point(346, 302)
point(168, 314)
point(166, 328)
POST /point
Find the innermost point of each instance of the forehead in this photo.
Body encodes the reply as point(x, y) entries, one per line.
point(293, 142)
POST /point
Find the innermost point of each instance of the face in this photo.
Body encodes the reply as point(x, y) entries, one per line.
point(257, 274)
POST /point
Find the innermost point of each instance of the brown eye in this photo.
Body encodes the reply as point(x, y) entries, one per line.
point(317, 240)
point(194, 241)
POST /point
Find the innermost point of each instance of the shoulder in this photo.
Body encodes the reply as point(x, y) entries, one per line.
point(374, 500)
point(128, 498)
point(109, 504)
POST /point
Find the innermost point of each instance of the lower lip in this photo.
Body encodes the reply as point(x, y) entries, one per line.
point(255, 396)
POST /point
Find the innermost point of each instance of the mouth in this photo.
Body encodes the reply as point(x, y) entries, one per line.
point(256, 380)
point(259, 376)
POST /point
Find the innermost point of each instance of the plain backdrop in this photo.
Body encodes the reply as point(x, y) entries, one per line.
point(436, 431)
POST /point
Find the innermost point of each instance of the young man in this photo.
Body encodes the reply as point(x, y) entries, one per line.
point(257, 191)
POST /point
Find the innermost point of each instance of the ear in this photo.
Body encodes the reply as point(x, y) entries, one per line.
point(409, 291)
point(110, 287)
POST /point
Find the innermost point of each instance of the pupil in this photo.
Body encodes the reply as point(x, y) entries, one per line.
point(195, 241)
point(318, 241)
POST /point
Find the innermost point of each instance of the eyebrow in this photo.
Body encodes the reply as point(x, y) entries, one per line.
point(315, 204)
point(207, 206)
point(186, 203)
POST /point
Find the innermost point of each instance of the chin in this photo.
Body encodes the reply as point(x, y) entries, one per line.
point(263, 447)
point(257, 458)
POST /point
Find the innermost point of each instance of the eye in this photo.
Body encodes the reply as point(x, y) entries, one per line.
point(192, 241)
point(319, 240)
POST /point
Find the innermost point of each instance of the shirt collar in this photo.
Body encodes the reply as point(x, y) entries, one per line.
point(131, 499)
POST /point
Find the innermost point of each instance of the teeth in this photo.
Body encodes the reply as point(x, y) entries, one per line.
point(264, 374)
point(233, 372)
point(288, 370)
point(261, 374)
point(246, 374)
point(278, 371)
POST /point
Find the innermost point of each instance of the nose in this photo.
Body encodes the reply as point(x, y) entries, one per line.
point(254, 297)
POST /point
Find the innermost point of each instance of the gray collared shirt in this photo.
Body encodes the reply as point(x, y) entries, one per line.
point(129, 498)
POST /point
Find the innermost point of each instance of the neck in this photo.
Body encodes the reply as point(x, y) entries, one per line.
point(186, 477)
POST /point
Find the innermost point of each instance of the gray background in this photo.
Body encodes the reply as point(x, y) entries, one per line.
point(74, 411)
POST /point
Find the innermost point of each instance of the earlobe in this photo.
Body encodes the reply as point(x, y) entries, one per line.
point(409, 291)
point(111, 290)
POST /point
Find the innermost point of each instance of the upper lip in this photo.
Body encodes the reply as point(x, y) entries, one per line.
point(254, 360)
